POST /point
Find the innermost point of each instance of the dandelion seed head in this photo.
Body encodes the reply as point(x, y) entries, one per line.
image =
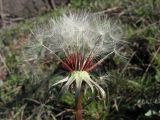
point(84, 33)
point(81, 37)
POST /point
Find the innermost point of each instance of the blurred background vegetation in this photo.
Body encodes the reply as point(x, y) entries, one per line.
point(132, 83)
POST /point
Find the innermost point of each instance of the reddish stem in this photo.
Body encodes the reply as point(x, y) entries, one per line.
point(78, 114)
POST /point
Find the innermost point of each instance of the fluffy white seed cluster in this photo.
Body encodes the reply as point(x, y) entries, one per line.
point(83, 33)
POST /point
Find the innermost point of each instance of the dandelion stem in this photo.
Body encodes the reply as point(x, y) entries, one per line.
point(78, 115)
